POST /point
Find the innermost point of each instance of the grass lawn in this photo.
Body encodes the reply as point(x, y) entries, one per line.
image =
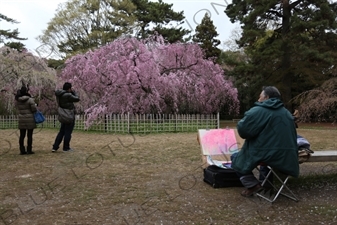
point(148, 179)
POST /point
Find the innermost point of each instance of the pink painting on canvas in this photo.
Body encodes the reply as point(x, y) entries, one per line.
point(218, 141)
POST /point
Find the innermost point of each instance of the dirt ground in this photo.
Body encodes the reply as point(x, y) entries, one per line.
point(150, 179)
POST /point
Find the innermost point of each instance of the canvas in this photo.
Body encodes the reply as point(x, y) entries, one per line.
point(217, 145)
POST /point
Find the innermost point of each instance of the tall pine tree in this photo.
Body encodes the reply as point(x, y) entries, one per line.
point(11, 34)
point(159, 17)
point(290, 44)
point(205, 34)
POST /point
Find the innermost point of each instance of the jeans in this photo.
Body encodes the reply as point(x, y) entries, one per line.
point(249, 180)
point(65, 135)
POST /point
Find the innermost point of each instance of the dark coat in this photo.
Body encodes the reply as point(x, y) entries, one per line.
point(270, 137)
point(66, 99)
point(26, 108)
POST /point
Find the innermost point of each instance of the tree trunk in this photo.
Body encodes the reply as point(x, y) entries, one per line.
point(286, 61)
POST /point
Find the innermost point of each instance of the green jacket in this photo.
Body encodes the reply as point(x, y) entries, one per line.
point(270, 137)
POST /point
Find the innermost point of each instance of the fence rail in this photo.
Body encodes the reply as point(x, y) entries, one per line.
point(131, 123)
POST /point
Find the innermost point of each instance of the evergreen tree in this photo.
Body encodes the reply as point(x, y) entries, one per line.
point(11, 34)
point(205, 34)
point(82, 25)
point(157, 17)
point(235, 65)
point(290, 44)
point(16, 45)
point(56, 63)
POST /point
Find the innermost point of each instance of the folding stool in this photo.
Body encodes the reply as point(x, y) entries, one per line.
point(279, 190)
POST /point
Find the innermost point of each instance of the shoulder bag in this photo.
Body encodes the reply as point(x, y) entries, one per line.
point(66, 116)
point(38, 116)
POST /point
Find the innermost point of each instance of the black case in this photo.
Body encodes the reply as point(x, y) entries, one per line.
point(220, 178)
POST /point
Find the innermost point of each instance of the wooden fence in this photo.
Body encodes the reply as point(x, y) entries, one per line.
point(131, 123)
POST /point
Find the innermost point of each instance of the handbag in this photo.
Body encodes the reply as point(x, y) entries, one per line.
point(66, 115)
point(38, 116)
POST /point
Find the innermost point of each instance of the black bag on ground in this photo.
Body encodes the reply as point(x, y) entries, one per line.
point(219, 178)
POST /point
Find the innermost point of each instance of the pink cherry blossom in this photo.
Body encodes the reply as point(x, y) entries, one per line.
point(149, 76)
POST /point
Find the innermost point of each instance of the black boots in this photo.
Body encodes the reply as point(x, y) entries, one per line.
point(29, 150)
point(23, 150)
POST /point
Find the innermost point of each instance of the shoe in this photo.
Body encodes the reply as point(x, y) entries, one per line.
point(68, 150)
point(30, 152)
point(250, 191)
point(23, 150)
point(53, 150)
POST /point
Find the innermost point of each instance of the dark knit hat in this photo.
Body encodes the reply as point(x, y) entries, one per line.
point(66, 86)
point(23, 90)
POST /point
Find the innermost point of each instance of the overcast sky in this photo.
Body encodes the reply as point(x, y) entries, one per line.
point(34, 15)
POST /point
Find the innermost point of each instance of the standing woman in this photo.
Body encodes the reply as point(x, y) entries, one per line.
point(26, 107)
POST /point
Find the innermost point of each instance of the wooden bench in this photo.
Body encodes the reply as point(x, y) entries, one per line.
point(323, 156)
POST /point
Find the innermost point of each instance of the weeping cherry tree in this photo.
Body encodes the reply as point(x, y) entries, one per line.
point(148, 76)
